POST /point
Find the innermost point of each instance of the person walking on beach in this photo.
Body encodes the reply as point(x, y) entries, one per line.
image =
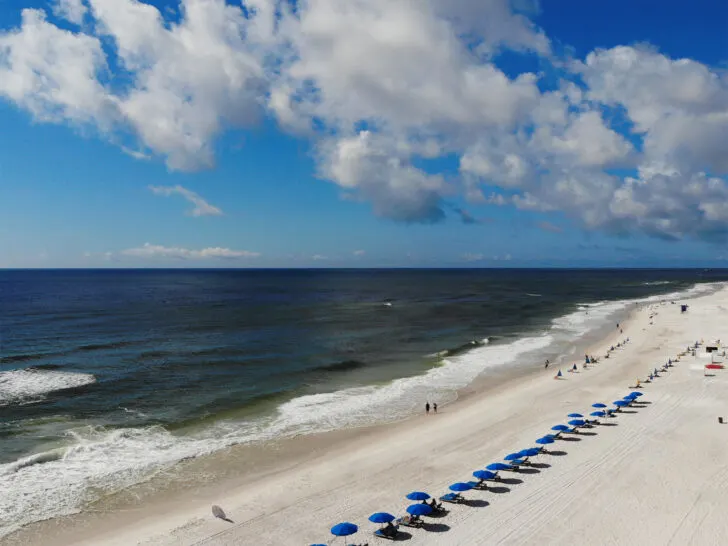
point(546, 366)
point(434, 407)
point(427, 408)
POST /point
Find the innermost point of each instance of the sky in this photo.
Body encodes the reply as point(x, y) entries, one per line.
point(363, 133)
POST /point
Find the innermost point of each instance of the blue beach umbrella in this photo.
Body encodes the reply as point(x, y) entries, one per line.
point(344, 529)
point(459, 487)
point(484, 475)
point(419, 510)
point(599, 405)
point(495, 467)
point(560, 428)
point(598, 414)
point(381, 517)
point(576, 415)
point(512, 457)
point(418, 496)
point(620, 403)
point(545, 440)
point(530, 452)
point(636, 394)
point(577, 423)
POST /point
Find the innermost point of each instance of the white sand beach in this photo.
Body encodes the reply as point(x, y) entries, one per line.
point(656, 476)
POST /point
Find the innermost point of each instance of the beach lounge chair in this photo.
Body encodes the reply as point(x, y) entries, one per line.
point(436, 506)
point(452, 497)
point(410, 521)
point(390, 532)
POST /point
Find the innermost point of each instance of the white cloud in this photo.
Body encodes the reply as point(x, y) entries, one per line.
point(378, 86)
point(319, 257)
point(201, 207)
point(158, 251)
point(473, 257)
point(359, 252)
point(72, 11)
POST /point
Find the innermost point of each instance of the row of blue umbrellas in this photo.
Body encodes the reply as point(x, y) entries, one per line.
point(490, 473)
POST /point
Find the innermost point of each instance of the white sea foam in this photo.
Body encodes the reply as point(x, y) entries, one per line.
point(100, 461)
point(29, 385)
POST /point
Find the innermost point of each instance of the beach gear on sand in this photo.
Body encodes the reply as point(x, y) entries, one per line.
point(418, 496)
point(575, 415)
point(344, 529)
point(419, 509)
point(545, 440)
point(381, 517)
point(485, 475)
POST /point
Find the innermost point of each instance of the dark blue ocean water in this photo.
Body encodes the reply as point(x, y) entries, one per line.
point(120, 360)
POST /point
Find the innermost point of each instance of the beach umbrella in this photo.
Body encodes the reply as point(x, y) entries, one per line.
point(495, 467)
point(418, 496)
point(484, 475)
point(419, 510)
point(381, 517)
point(598, 414)
point(460, 487)
point(575, 415)
point(512, 457)
point(559, 374)
point(545, 440)
point(344, 529)
point(577, 423)
point(531, 452)
point(636, 394)
point(560, 428)
point(599, 405)
point(620, 403)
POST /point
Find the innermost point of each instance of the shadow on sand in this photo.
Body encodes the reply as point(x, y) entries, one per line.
point(436, 527)
point(510, 481)
point(475, 503)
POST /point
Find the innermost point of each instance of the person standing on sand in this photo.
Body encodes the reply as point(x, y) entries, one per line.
point(434, 407)
point(546, 366)
point(427, 408)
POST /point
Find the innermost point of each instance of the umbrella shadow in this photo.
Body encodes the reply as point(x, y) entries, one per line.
point(608, 424)
point(528, 471)
point(435, 527)
point(439, 513)
point(588, 433)
point(557, 453)
point(628, 411)
point(475, 503)
point(402, 536)
point(498, 490)
point(510, 481)
point(570, 439)
point(539, 465)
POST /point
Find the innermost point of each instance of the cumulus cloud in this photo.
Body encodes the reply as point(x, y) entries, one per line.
point(381, 87)
point(201, 207)
point(72, 11)
point(158, 251)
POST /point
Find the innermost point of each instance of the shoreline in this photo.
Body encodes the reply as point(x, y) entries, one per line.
point(268, 459)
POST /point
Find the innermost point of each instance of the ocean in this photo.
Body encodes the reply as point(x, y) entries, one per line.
point(108, 376)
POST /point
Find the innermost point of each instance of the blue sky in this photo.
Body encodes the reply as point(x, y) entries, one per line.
point(74, 194)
